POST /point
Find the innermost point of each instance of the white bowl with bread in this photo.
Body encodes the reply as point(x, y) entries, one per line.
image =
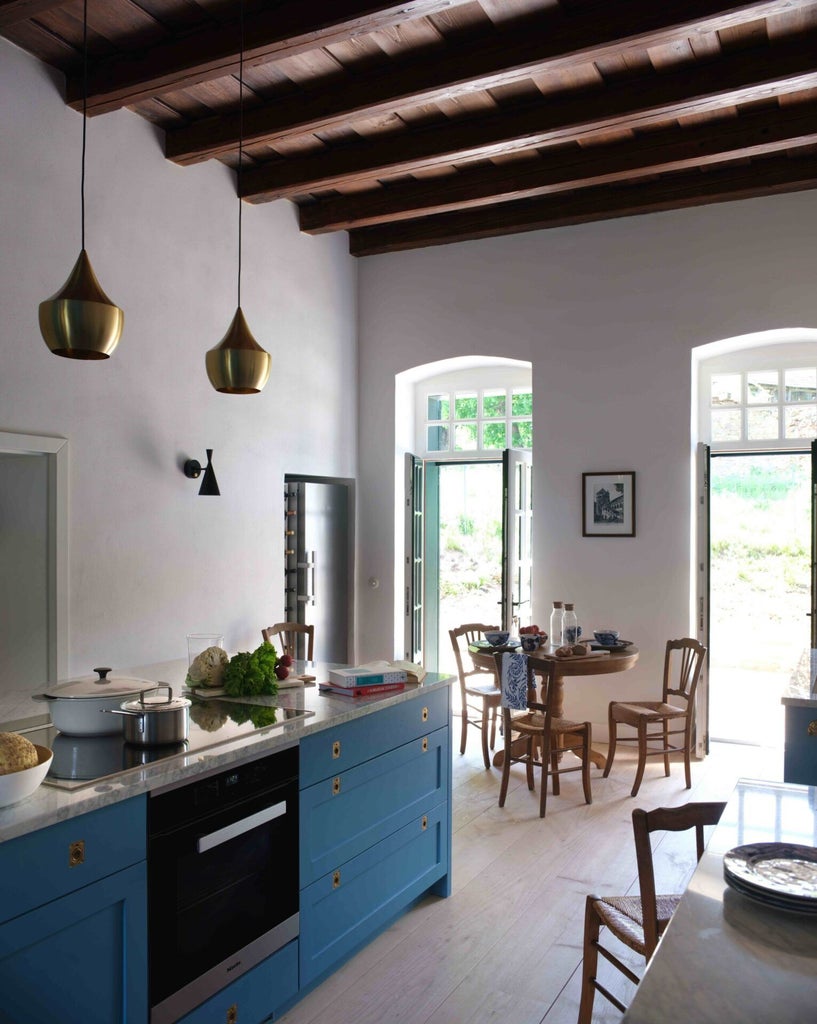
point(23, 766)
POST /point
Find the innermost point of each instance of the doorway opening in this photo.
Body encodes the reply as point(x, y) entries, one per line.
point(760, 590)
point(466, 520)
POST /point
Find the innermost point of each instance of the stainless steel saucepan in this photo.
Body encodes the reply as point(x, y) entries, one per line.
point(152, 721)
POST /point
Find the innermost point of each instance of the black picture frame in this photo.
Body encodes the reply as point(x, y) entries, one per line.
point(608, 504)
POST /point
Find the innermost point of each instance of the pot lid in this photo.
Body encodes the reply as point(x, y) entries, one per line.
point(100, 685)
point(156, 700)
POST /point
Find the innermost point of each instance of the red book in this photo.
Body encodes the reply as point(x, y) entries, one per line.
point(362, 691)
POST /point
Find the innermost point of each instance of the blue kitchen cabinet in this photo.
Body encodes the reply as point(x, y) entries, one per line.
point(800, 752)
point(73, 907)
point(375, 826)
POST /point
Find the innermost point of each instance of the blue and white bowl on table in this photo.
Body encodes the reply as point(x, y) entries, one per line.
point(606, 637)
point(497, 638)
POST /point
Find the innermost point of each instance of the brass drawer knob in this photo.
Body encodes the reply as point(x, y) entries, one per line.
point(424, 822)
point(76, 853)
point(335, 879)
point(812, 728)
point(232, 1014)
point(336, 750)
point(425, 714)
point(336, 785)
point(425, 744)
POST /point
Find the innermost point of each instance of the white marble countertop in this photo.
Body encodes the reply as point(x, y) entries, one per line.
point(725, 958)
point(50, 804)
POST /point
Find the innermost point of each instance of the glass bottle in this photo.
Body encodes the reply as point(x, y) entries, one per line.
point(570, 626)
point(555, 627)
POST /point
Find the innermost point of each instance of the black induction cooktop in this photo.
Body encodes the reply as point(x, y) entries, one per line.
point(84, 760)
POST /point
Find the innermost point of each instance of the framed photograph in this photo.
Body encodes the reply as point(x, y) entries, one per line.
point(608, 504)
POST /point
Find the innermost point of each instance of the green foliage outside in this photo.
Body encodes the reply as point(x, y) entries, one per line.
point(761, 550)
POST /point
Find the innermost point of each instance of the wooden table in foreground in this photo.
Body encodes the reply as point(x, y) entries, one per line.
point(592, 665)
point(726, 959)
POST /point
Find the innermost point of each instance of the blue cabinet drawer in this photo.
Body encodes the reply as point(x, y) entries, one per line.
point(326, 753)
point(347, 907)
point(800, 753)
point(47, 864)
point(254, 996)
point(342, 816)
point(80, 960)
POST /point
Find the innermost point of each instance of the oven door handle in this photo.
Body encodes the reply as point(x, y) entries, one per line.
point(238, 828)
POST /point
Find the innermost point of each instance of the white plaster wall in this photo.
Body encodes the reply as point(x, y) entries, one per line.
point(608, 315)
point(150, 560)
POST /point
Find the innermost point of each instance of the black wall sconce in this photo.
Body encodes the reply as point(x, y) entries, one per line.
point(192, 469)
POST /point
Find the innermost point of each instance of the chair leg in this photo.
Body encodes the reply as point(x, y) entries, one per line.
point(666, 745)
point(464, 736)
point(588, 796)
point(611, 750)
point(687, 745)
point(506, 769)
point(529, 765)
point(548, 753)
point(592, 926)
point(493, 726)
point(642, 757)
point(554, 774)
point(486, 714)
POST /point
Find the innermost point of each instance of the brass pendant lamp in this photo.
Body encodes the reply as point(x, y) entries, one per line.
point(238, 365)
point(80, 321)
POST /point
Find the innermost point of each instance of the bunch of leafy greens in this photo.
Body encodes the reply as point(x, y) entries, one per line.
point(251, 675)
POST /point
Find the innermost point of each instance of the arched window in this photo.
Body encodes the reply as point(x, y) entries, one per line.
point(475, 413)
point(759, 398)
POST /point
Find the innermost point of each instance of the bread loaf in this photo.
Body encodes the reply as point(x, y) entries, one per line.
point(564, 652)
point(16, 753)
point(581, 649)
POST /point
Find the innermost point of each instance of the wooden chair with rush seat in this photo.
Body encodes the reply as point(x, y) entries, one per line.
point(683, 662)
point(637, 921)
point(284, 636)
point(536, 724)
point(480, 700)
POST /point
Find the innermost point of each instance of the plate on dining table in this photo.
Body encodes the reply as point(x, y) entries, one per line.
point(483, 645)
point(619, 645)
point(783, 875)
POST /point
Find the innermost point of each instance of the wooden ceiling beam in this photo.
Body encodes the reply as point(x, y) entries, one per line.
point(752, 134)
point(12, 11)
point(772, 176)
point(538, 47)
point(761, 73)
point(271, 34)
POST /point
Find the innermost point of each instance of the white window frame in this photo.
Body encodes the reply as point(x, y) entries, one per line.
point(778, 358)
point(457, 388)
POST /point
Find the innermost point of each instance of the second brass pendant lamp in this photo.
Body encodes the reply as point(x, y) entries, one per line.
point(80, 321)
point(238, 365)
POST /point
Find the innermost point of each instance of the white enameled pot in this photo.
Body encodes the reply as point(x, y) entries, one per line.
point(75, 704)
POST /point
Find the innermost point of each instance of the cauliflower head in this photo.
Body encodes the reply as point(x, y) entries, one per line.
point(207, 668)
point(16, 753)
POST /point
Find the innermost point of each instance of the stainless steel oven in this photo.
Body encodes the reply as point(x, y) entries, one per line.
point(222, 879)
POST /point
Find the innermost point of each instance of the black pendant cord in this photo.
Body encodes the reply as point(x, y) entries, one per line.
point(240, 139)
point(84, 111)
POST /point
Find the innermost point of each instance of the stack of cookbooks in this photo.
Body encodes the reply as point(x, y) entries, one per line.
point(373, 679)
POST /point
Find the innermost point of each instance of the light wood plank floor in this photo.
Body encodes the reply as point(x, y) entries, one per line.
point(506, 946)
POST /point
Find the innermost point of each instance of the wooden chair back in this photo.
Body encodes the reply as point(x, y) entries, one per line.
point(683, 662)
point(286, 634)
point(470, 632)
point(695, 815)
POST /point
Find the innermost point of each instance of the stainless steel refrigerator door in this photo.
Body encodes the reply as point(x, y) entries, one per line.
point(317, 589)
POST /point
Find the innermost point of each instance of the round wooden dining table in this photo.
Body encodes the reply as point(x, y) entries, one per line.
point(589, 665)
